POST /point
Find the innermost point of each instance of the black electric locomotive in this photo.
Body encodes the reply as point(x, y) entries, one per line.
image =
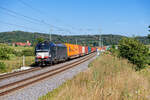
point(48, 53)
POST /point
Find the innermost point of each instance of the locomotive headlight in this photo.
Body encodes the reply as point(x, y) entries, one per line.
point(43, 54)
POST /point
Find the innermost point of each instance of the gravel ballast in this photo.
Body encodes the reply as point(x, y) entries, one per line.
point(33, 92)
point(26, 75)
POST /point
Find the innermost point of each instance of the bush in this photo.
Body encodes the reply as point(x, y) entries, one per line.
point(18, 53)
point(134, 51)
point(3, 53)
point(7, 52)
point(28, 52)
point(113, 50)
point(11, 56)
point(2, 67)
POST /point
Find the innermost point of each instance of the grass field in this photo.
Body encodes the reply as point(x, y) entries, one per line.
point(16, 62)
point(20, 48)
point(108, 78)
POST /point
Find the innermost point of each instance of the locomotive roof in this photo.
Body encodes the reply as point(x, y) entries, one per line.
point(52, 44)
point(61, 45)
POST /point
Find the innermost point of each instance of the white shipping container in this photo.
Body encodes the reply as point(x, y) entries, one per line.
point(83, 50)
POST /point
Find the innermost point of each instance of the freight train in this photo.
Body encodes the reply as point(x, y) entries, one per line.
point(49, 53)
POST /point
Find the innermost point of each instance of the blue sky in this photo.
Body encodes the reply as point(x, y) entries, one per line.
point(71, 17)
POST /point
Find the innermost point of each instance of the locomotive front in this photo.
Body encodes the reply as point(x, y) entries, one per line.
point(42, 53)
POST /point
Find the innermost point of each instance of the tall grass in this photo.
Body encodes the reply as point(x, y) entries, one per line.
point(16, 63)
point(15, 60)
point(108, 78)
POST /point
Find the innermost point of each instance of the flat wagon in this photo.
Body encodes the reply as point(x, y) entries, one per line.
point(72, 50)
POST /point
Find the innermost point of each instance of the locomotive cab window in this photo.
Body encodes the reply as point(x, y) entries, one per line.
point(43, 47)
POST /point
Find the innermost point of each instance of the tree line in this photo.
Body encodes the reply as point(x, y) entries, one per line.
point(91, 40)
point(133, 50)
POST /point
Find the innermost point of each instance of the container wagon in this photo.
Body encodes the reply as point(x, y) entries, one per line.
point(89, 50)
point(72, 50)
point(80, 50)
point(86, 50)
point(93, 49)
point(83, 50)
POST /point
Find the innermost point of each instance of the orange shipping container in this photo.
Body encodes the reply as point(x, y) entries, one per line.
point(72, 50)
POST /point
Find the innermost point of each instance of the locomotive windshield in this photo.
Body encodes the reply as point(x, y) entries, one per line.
point(42, 47)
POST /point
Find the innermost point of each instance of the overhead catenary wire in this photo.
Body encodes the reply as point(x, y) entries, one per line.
point(30, 6)
point(34, 19)
point(39, 11)
point(16, 13)
point(17, 25)
point(19, 17)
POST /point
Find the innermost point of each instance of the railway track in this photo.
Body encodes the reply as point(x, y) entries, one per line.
point(11, 87)
point(18, 73)
point(13, 74)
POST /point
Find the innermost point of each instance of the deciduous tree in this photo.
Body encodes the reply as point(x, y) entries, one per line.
point(134, 51)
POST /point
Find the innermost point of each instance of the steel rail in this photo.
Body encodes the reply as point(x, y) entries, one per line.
point(13, 74)
point(8, 75)
point(33, 79)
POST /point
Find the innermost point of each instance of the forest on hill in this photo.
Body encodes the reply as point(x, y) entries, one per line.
point(92, 40)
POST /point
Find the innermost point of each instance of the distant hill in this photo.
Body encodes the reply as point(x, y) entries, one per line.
point(21, 36)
